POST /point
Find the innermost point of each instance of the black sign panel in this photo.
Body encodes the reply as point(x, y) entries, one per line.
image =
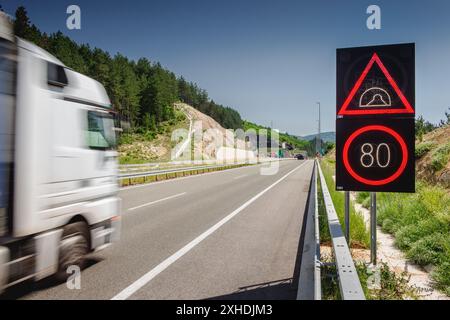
point(374, 155)
point(375, 109)
point(376, 81)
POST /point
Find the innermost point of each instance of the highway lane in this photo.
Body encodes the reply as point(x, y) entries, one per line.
point(257, 244)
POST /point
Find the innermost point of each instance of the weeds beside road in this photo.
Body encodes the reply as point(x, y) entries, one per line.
point(420, 223)
point(392, 286)
point(359, 235)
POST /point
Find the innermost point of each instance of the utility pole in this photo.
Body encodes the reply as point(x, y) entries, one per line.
point(319, 141)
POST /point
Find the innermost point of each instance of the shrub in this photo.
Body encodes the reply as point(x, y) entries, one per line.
point(441, 276)
point(149, 135)
point(421, 225)
point(440, 157)
point(429, 250)
point(406, 236)
point(125, 138)
point(423, 148)
point(366, 203)
point(434, 198)
point(393, 286)
point(388, 225)
point(362, 196)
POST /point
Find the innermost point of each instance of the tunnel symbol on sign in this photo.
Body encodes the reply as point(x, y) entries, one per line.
point(375, 97)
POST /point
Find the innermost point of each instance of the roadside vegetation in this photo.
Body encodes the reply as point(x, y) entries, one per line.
point(359, 235)
point(420, 223)
point(423, 148)
point(392, 286)
point(440, 157)
point(143, 146)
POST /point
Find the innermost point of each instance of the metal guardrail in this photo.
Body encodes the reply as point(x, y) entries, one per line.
point(174, 170)
point(317, 263)
point(134, 169)
point(187, 163)
point(349, 283)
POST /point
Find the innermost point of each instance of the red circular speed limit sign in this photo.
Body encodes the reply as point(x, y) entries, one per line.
point(367, 149)
point(374, 156)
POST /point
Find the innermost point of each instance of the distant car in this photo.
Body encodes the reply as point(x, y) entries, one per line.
point(300, 156)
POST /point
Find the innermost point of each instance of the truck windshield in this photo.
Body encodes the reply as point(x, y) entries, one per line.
point(100, 133)
point(7, 98)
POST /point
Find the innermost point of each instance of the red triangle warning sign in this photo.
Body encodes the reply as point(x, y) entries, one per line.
point(375, 100)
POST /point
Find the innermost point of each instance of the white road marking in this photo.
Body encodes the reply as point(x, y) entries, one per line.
point(239, 177)
point(146, 278)
point(157, 201)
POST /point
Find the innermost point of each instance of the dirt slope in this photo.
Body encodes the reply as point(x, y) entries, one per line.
point(138, 149)
point(434, 164)
point(210, 130)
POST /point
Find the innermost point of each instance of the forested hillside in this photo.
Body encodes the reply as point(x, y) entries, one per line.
point(142, 91)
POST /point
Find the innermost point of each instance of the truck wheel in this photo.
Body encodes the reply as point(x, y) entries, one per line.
point(73, 248)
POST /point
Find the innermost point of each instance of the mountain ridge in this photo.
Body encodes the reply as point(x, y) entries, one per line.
point(329, 136)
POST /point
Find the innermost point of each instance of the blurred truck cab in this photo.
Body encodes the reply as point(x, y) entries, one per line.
point(58, 164)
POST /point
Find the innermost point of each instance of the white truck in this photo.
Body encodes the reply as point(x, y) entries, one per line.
point(58, 164)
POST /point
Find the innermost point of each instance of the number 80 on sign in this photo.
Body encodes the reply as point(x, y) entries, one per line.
point(375, 157)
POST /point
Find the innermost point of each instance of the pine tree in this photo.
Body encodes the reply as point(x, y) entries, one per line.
point(22, 23)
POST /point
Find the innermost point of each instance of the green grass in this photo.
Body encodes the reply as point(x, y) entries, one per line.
point(324, 232)
point(420, 223)
point(362, 196)
point(359, 235)
point(423, 148)
point(440, 157)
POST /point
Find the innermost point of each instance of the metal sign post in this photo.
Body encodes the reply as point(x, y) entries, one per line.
point(347, 216)
point(373, 228)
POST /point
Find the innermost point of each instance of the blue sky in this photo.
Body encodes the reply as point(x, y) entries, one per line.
point(270, 60)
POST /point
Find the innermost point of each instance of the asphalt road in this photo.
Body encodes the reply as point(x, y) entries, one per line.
point(231, 234)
